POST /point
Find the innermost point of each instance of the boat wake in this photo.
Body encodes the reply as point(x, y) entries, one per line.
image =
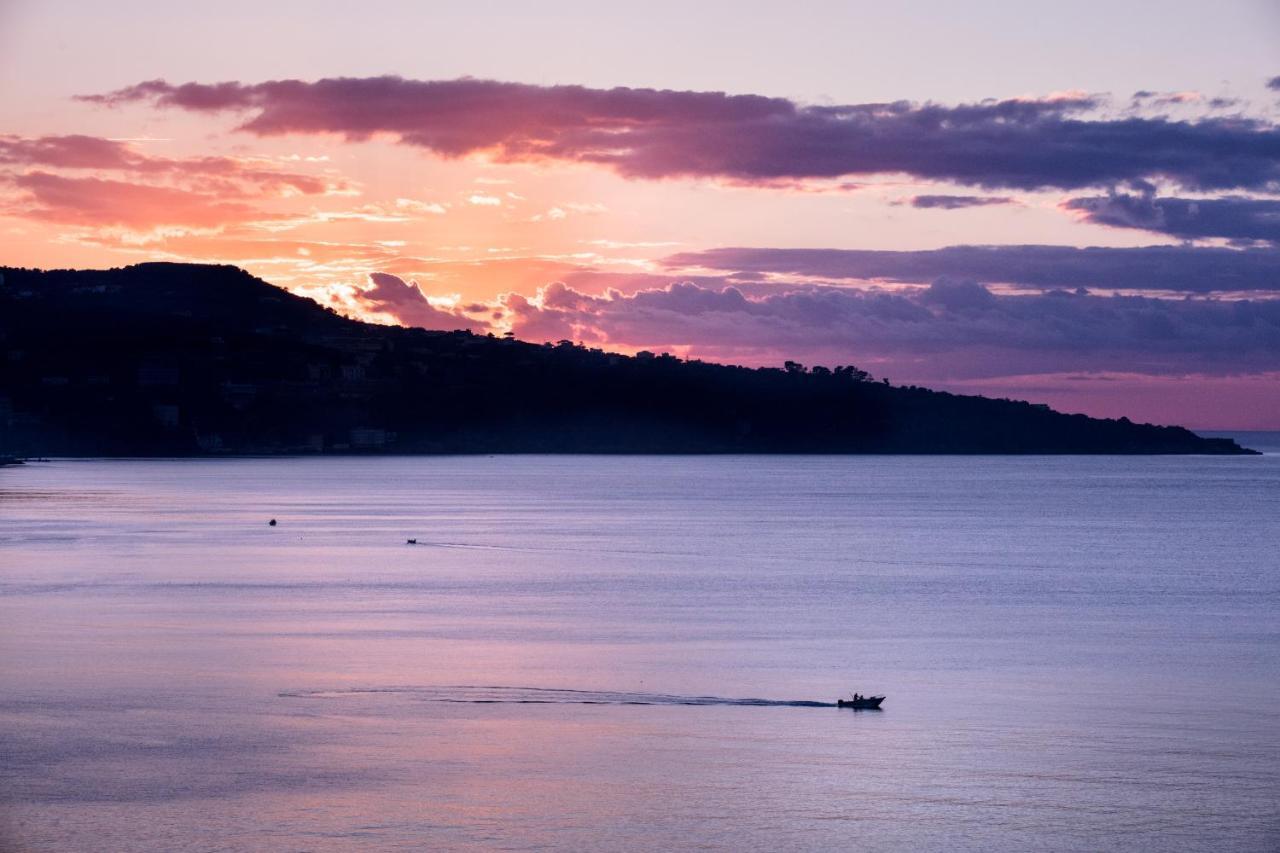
point(480, 695)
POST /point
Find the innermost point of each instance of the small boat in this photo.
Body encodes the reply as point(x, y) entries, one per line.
point(861, 703)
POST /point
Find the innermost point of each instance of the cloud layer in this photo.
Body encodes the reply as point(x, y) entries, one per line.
point(1189, 269)
point(79, 152)
point(954, 328)
point(102, 202)
point(649, 133)
point(90, 181)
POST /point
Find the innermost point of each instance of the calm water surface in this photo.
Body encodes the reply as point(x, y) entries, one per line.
point(1079, 654)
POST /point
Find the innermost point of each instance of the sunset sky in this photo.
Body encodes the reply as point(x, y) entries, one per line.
point(1077, 205)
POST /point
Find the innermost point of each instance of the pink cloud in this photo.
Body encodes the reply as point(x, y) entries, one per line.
point(403, 300)
point(236, 175)
point(127, 188)
point(73, 151)
point(102, 202)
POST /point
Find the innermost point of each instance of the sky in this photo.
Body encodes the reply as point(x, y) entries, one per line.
point(1076, 204)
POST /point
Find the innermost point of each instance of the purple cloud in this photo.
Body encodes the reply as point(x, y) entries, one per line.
point(1232, 217)
point(650, 133)
point(1167, 99)
point(957, 202)
point(1178, 268)
point(952, 328)
point(390, 294)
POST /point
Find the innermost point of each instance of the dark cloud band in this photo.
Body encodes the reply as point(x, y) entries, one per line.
point(1170, 268)
point(1231, 218)
point(957, 202)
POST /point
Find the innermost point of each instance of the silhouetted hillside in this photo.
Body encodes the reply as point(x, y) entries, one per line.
point(163, 359)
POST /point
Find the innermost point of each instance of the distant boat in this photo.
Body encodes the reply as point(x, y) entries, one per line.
point(862, 703)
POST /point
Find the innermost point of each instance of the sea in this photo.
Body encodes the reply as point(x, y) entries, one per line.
point(600, 653)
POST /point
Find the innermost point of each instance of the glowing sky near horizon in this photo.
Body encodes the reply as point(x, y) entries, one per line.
point(475, 166)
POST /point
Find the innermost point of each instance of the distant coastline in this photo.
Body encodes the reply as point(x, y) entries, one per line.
point(1259, 440)
point(165, 359)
